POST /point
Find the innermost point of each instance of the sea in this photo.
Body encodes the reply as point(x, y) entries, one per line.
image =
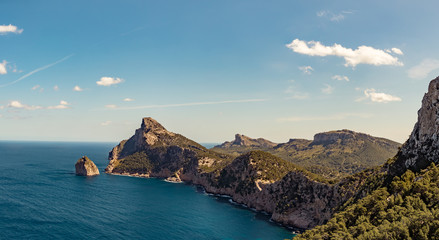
point(42, 198)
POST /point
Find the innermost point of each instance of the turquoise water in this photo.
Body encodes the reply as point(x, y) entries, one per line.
point(41, 198)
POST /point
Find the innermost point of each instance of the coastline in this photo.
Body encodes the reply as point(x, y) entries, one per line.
point(294, 230)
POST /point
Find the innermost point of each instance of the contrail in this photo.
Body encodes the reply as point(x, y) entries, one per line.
point(37, 70)
point(191, 104)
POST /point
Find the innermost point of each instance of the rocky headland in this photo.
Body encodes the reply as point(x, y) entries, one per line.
point(291, 194)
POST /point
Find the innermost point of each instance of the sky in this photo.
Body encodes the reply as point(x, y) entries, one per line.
point(91, 70)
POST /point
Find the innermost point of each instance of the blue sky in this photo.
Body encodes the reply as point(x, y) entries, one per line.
point(90, 70)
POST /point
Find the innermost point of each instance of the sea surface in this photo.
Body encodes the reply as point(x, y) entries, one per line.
point(41, 198)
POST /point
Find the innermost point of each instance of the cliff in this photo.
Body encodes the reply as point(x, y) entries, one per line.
point(422, 147)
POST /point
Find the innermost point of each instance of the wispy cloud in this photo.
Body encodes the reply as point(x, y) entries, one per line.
point(56, 88)
point(340, 78)
point(423, 69)
point(306, 69)
point(328, 89)
point(335, 17)
point(77, 89)
point(128, 99)
point(3, 67)
point(112, 106)
point(190, 104)
point(361, 55)
point(335, 117)
point(37, 70)
point(108, 81)
point(35, 87)
point(374, 96)
point(62, 105)
point(5, 29)
point(14, 104)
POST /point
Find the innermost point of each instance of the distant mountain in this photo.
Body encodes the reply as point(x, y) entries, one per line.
point(244, 141)
point(332, 154)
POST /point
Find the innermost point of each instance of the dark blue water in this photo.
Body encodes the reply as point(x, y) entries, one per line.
point(41, 198)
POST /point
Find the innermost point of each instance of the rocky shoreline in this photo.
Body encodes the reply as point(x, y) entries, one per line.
point(232, 201)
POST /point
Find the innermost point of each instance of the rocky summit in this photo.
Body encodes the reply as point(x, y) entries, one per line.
point(422, 147)
point(242, 140)
point(86, 167)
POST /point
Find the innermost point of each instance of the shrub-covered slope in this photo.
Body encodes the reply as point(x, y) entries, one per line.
point(332, 154)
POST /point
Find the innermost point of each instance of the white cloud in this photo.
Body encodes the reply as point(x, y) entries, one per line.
point(35, 87)
point(361, 55)
point(106, 123)
point(340, 78)
point(3, 67)
point(423, 69)
point(128, 99)
point(108, 81)
point(371, 94)
point(5, 29)
point(112, 106)
point(78, 89)
point(334, 117)
point(19, 105)
point(397, 51)
point(328, 89)
point(56, 88)
point(306, 69)
point(62, 105)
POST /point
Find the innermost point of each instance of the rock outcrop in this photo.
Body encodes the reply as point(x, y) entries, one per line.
point(86, 167)
point(242, 140)
point(422, 147)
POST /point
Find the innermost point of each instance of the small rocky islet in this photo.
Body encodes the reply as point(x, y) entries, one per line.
point(86, 167)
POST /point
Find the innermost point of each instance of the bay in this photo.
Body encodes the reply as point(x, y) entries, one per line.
point(42, 198)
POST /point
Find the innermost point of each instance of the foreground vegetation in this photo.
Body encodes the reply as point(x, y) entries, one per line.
point(407, 207)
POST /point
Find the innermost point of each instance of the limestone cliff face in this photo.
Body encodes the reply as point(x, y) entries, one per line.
point(86, 167)
point(422, 147)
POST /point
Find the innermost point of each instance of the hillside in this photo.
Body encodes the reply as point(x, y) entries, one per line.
point(332, 154)
point(401, 201)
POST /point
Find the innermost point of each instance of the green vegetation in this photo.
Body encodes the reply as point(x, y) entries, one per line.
point(331, 159)
point(407, 207)
point(134, 163)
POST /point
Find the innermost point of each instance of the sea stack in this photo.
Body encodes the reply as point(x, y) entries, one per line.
point(86, 167)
